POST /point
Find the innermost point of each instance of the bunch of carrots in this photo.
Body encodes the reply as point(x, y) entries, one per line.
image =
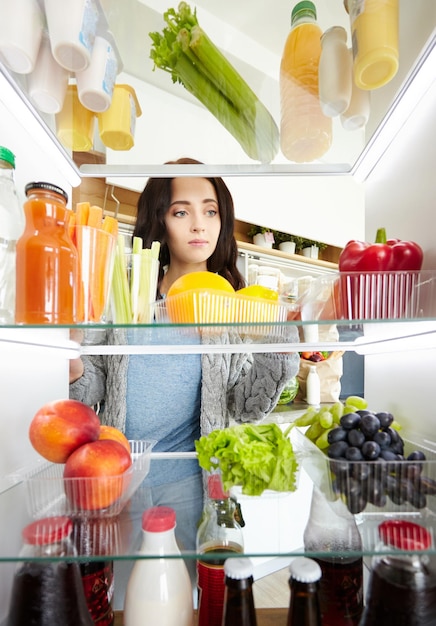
point(95, 245)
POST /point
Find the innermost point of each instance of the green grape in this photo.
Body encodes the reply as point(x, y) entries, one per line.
point(395, 425)
point(308, 418)
point(314, 431)
point(337, 410)
point(322, 441)
point(326, 419)
point(357, 402)
point(350, 408)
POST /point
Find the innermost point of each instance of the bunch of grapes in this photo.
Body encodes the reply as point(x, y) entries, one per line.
point(367, 456)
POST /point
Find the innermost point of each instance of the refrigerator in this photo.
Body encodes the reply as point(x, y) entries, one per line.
point(319, 201)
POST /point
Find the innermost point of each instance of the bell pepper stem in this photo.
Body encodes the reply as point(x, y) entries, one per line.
point(381, 236)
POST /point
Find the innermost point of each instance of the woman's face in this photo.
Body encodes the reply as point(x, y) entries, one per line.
point(193, 221)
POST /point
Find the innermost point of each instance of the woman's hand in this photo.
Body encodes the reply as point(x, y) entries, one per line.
point(76, 365)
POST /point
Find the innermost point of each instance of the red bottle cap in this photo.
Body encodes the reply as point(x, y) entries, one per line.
point(404, 535)
point(48, 530)
point(215, 488)
point(158, 519)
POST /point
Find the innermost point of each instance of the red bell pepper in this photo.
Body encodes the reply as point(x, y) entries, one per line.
point(379, 280)
point(385, 255)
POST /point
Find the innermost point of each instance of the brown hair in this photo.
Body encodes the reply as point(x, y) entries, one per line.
point(153, 205)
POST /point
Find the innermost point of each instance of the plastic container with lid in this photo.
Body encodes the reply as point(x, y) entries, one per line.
point(402, 583)
point(375, 39)
point(95, 85)
point(11, 228)
point(238, 596)
point(116, 126)
point(75, 123)
point(21, 26)
point(304, 606)
point(305, 132)
point(159, 590)
point(48, 591)
point(47, 84)
point(47, 261)
point(335, 72)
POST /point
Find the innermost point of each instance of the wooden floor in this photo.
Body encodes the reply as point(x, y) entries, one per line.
point(272, 591)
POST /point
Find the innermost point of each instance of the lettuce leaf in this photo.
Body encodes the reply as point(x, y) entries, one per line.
point(254, 457)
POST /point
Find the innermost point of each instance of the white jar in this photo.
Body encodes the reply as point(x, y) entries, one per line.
point(21, 26)
point(335, 72)
point(48, 83)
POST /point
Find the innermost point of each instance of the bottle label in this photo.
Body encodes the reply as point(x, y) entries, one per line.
point(99, 588)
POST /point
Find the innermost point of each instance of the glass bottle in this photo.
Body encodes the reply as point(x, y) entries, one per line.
point(11, 228)
point(402, 583)
point(304, 606)
point(331, 528)
point(305, 132)
point(159, 591)
point(313, 387)
point(47, 260)
point(97, 537)
point(218, 535)
point(238, 596)
point(46, 592)
point(335, 72)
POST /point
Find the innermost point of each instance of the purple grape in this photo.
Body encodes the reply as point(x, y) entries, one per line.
point(369, 425)
point(353, 454)
point(382, 438)
point(350, 420)
point(336, 434)
point(388, 455)
point(416, 455)
point(370, 450)
point(355, 438)
point(337, 450)
point(385, 419)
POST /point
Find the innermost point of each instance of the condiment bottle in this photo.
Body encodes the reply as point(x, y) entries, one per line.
point(331, 528)
point(238, 596)
point(159, 591)
point(313, 387)
point(374, 34)
point(11, 228)
point(47, 260)
point(46, 591)
point(218, 535)
point(335, 72)
point(304, 606)
point(97, 537)
point(305, 132)
point(402, 583)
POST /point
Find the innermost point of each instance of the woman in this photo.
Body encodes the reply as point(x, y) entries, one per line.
point(173, 398)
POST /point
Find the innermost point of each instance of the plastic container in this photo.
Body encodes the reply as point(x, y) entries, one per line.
point(21, 27)
point(238, 596)
point(72, 25)
point(335, 72)
point(47, 587)
point(117, 125)
point(75, 123)
point(47, 261)
point(374, 34)
point(359, 109)
point(305, 132)
point(47, 84)
point(304, 606)
point(95, 84)
point(11, 228)
point(159, 590)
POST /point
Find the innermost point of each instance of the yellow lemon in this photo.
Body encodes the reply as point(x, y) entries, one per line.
point(200, 297)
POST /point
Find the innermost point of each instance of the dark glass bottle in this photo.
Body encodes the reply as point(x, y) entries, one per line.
point(218, 534)
point(48, 592)
point(238, 595)
point(304, 607)
point(332, 529)
point(402, 583)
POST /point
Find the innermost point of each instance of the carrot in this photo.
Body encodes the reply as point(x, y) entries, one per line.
point(95, 217)
point(110, 224)
point(82, 213)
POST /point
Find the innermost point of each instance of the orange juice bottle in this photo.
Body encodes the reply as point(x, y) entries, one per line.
point(305, 132)
point(47, 260)
point(374, 33)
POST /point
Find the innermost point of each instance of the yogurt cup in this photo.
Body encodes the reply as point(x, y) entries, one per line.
point(95, 85)
point(21, 27)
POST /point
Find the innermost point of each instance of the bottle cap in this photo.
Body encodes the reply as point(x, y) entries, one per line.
point(215, 488)
point(7, 155)
point(48, 530)
point(48, 187)
point(404, 535)
point(303, 8)
point(157, 519)
point(238, 568)
point(305, 570)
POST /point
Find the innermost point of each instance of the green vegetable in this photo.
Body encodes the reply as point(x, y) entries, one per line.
point(255, 457)
point(185, 51)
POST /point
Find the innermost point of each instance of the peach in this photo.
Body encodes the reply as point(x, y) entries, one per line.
point(60, 427)
point(110, 432)
point(102, 465)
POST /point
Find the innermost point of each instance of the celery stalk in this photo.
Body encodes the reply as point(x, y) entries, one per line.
point(120, 287)
point(188, 54)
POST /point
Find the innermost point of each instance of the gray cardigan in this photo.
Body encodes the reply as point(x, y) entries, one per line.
point(241, 386)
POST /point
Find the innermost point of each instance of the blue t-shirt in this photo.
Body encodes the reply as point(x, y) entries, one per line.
point(163, 402)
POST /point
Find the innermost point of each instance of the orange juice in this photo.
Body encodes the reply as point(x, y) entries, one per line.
point(305, 132)
point(374, 32)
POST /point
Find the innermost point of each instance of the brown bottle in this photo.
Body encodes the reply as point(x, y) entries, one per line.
point(304, 607)
point(238, 596)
